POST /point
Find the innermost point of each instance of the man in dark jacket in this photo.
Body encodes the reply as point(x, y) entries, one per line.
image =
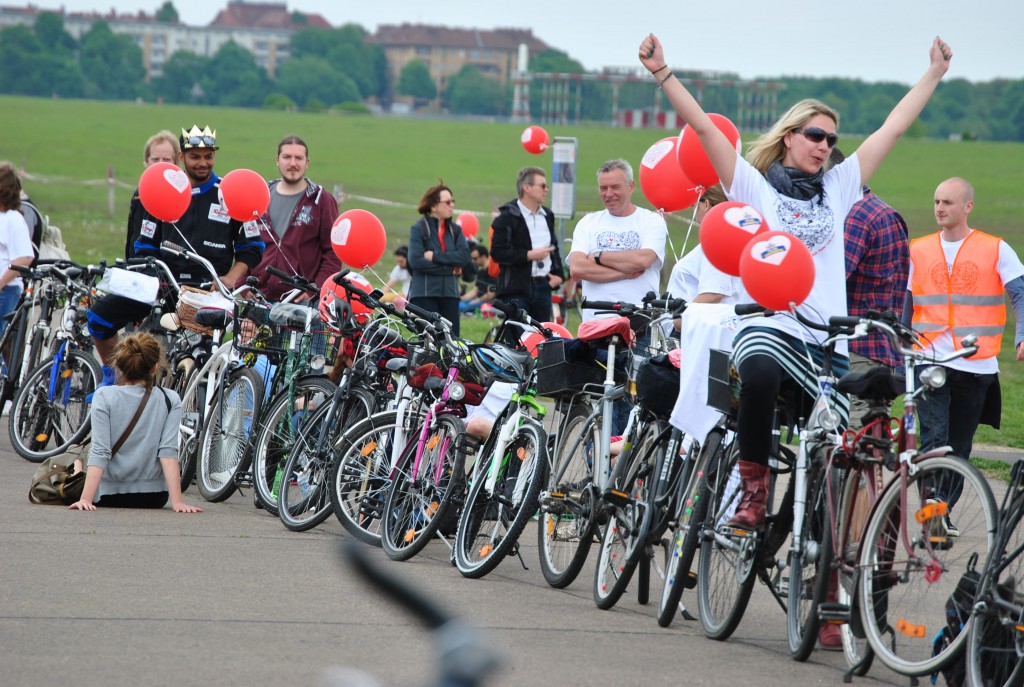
point(297, 227)
point(206, 228)
point(523, 243)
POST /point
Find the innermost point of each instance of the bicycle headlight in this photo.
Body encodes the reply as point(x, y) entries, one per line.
point(933, 377)
point(828, 420)
point(317, 362)
point(456, 391)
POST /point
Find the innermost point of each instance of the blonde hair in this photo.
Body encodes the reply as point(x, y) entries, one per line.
point(136, 355)
point(770, 147)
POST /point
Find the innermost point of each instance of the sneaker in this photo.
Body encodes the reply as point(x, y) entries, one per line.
point(951, 530)
point(830, 638)
point(108, 380)
point(941, 526)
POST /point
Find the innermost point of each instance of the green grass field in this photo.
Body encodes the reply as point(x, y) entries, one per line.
point(72, 142)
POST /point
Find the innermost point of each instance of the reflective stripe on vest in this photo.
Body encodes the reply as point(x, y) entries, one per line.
point(976, 307)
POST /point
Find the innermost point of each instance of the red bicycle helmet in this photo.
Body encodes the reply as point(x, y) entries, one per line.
point(340, 313)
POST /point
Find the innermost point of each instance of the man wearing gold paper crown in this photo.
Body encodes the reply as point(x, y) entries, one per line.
point(206, 228)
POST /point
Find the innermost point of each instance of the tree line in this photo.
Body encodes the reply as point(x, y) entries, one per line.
point(337, 68)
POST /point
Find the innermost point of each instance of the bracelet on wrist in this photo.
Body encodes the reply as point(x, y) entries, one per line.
point(664, 66)
point(667, 77)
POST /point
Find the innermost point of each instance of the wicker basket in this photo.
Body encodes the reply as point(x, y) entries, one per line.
point(187, 313)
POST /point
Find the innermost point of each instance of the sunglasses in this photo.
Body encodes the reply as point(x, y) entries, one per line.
point(446, 202)
point(543, 186)
point(816, 135)
point(200, 140)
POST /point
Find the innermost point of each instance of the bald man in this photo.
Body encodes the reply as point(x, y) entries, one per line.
point(957, 280)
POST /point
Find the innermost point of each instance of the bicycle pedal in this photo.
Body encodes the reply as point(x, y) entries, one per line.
point(619, 499)
point(689, 580)
point(468, 444)
point(833, 613)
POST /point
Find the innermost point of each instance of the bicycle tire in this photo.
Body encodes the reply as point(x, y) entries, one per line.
point(11, 355)
point(856, 649)
point(281, 422)
point(625, 535)
point(306, 502)
point(565, 530)
point(692, 506)
point(360, 475)
point(415, 509)
point(184, 383)
point(809, 566)
point(916, 600)
point(40, 427)
point(481, 546)
point(727, 569)
point(224, 439)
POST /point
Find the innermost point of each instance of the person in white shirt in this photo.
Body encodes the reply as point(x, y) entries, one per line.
point(15, 241)
point(617, 254)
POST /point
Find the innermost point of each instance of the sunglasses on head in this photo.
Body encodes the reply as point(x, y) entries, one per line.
point(816, 135)
point(194, 141)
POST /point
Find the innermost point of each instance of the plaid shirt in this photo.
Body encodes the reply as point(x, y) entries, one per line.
point(877, 265)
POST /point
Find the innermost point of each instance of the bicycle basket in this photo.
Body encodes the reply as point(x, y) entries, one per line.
point(190, 301)
point(256, 333)
point(657, 385)
point(566, 367)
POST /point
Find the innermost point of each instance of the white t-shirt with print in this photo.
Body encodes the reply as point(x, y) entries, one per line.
point(694, 275)
point(1009, 268)
point(819, 225)
point(603, 231)
point(15, 241)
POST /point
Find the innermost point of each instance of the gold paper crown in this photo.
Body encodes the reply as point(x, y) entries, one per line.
point(198, 138)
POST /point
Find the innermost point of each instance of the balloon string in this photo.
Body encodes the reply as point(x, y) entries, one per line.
point(273, 237)
point(693, 219)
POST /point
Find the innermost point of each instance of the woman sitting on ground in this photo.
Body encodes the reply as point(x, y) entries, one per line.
point(143, 472)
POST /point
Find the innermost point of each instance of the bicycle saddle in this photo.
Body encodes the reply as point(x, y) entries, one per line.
point(597, 332)
point(215, 318)
point(878, 383)
point(291, 315)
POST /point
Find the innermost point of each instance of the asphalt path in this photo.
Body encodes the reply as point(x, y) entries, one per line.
point(230, 597)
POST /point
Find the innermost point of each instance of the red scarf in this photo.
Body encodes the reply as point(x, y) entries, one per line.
point(440, 232)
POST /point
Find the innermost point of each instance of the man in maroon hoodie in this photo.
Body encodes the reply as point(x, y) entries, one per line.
point(297, 225)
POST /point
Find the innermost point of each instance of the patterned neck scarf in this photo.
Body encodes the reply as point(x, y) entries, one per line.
point(795, 183)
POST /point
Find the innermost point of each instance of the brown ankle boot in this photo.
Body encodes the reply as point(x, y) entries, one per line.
point(750, 513)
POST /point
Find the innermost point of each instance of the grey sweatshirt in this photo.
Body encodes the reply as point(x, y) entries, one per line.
point(136, 467)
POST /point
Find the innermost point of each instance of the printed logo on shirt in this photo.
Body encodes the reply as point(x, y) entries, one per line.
point(811, 222)
point(219, 214)
point(148, 228)
point(211, 244)
point(252, 230)
point(305, 215)
point(610, 240)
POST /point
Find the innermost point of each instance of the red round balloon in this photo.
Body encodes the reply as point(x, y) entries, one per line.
point(358, 238)
point(469, 223)
point(691, 156)
point(531, 340)
point(245, 194)
point(535, 140)
point(777, 270)
point(662, 181)
point(726, 229)
point(165, 191)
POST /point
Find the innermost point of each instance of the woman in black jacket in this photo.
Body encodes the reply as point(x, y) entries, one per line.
point(438, 252)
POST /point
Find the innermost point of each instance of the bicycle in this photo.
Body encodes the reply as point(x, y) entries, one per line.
point(584, 489)
point(49, 412)
point(511, 466)
point(995, 638)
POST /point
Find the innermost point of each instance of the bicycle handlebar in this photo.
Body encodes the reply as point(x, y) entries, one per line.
point(179, 251)
point(295, 280)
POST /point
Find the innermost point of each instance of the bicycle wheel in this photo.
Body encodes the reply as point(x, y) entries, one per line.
point(192, 394)
point(856, 649)
point(853, 512)
point(224, 439)
point(493, 519)
point(566, 528)
point(304, 500)
point(360, 475)
point(285, 416)
point(625, 535)
point(49, 412)
point(995, 643)
point(810, 566)
point(903, 593)
point(417, 504)
point(728, 558)
point(691, 509)
point(11, 350)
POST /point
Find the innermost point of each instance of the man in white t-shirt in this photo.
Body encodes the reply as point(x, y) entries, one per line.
point(957, 280)
point(617, 253)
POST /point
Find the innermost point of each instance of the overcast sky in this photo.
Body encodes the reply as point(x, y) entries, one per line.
point(874, 40)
